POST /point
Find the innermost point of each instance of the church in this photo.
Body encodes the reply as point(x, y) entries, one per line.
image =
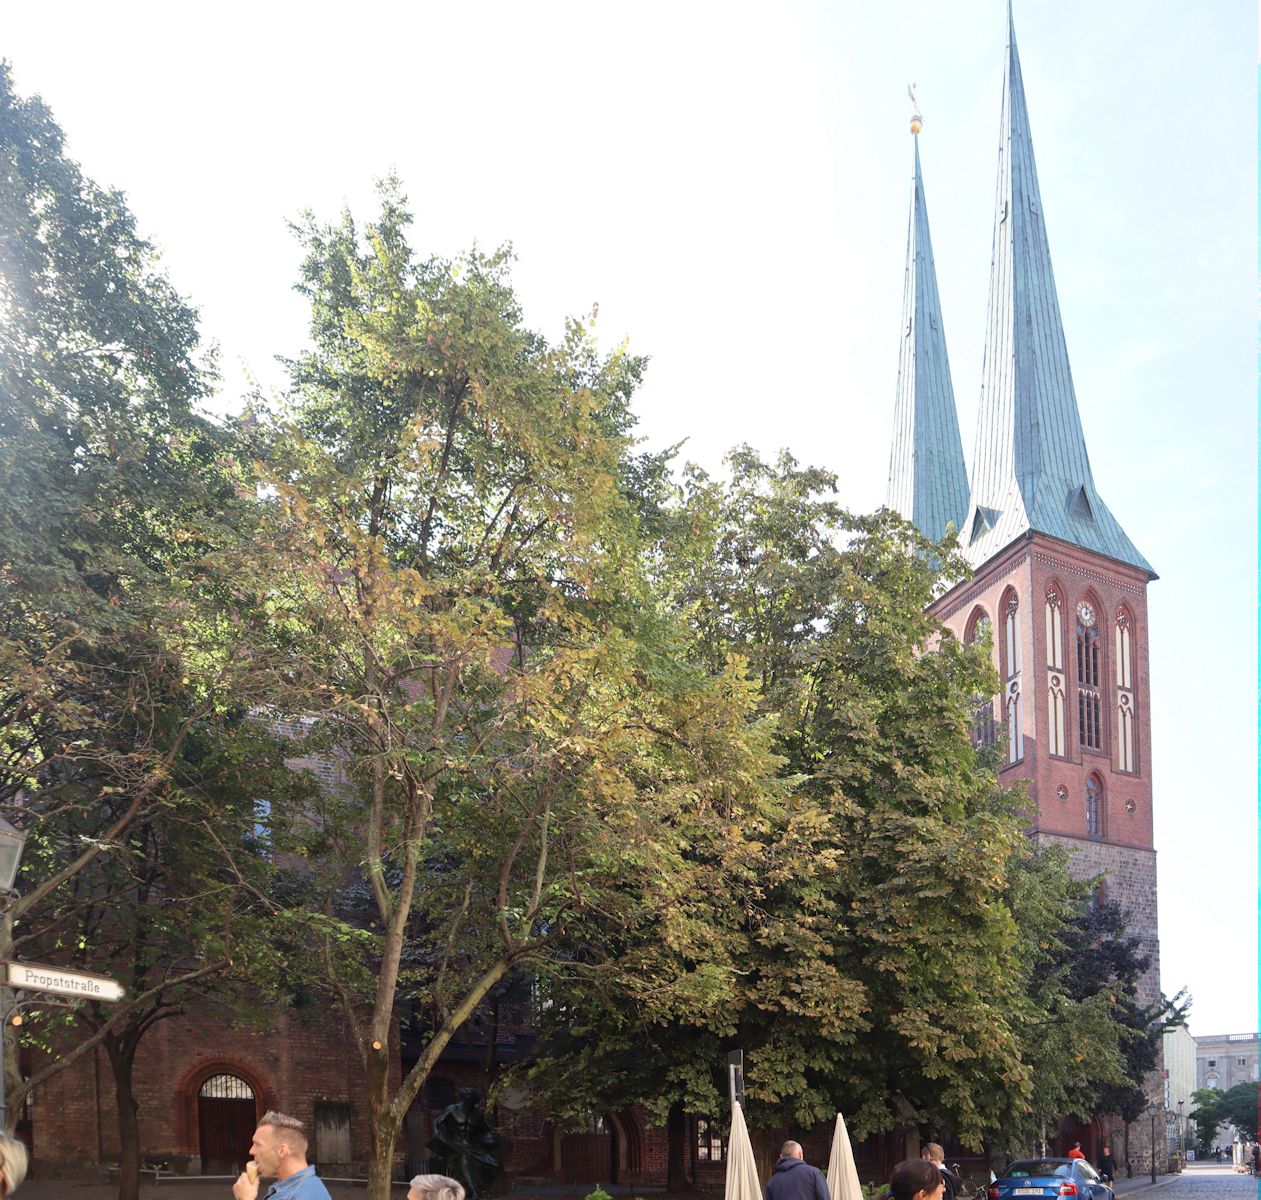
point(1057, 584)
point(1059, 589)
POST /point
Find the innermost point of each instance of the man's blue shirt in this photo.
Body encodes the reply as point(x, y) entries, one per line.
point(301, 1185)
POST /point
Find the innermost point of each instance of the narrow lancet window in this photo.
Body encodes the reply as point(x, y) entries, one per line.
point(1094, 807)
point(1125, 691)
point(1089, 699)
point(1011, 673)
point(984, 727)
point(1056, 697)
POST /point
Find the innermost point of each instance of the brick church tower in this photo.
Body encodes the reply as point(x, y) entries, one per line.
point(1057, 580)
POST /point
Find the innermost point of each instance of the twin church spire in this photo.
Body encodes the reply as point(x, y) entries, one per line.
point(1030, 469)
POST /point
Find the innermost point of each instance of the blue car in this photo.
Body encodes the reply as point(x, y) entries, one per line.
point(1049, 1179)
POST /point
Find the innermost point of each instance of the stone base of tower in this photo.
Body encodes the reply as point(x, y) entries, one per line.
point(1129, 875)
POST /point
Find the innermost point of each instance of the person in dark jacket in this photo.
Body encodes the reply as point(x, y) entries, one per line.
point(794, 1179)
point(1107, 1164)
point(933, 1152)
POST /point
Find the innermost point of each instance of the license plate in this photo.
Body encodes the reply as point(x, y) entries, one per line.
point(1026, 1191)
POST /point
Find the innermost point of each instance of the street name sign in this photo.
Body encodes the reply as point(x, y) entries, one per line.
point(35, 977)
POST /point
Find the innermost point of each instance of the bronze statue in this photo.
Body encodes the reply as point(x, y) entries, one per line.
point(467, 1144)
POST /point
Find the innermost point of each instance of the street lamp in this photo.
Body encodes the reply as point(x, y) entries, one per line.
point(11, 843)
point(1182, 1133)
point(1151, 1112)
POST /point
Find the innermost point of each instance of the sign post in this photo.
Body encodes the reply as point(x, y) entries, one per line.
point(35, 977)
point(735, 1076)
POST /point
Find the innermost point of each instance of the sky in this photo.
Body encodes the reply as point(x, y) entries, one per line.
point(730, 183)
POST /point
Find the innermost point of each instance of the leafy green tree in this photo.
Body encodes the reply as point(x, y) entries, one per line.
point(117, 651)
point(453, 577)
point(858, 940)
point(1214, 1108)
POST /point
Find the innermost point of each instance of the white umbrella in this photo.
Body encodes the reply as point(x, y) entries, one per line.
point(842, 1174)
point(742, 1181)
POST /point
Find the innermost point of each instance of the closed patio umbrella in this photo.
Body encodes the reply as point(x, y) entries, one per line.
point(842, 1174)
point(742, 1181)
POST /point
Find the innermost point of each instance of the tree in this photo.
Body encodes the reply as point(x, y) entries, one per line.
point(859, 940)
point(453, 581)
point(1214, 1108)
point(116, 646)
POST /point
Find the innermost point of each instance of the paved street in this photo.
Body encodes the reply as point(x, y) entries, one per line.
point(1200, 1181)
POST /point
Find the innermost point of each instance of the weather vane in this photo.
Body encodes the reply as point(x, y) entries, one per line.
point(917, 118)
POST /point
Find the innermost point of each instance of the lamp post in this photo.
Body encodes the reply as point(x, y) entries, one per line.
point(11, 843)
point(1182, 1132)
point(1151, 1112)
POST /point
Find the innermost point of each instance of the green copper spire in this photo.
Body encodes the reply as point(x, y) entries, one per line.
point(928, 482)
point(1030, 470)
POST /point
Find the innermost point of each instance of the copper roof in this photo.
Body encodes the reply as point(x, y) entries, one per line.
point(928, 482)
point(1030, 470)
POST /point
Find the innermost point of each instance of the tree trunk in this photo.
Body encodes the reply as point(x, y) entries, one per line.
point(676, 1157)
point(122, 1060)
point(381, 1157)
point(382, 1124)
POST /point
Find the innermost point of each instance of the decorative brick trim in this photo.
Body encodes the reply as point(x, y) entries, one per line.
point(186, 1129)
point(1086, 573)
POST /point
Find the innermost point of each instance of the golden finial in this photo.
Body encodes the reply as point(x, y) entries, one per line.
point(917, 118)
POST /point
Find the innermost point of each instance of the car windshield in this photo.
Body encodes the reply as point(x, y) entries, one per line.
point(1042, 1168)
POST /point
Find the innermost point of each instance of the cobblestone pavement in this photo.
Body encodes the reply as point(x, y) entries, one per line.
point(1205, 1181)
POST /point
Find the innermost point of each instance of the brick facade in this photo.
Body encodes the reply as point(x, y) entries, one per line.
point(299, 1060)
point(1118, 841)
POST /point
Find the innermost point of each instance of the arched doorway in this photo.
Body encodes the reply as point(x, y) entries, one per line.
point(588, 1152)
point(225, 1124)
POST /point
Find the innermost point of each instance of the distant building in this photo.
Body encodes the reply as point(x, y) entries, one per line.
point(1223, 1060)
point(1180, 1083)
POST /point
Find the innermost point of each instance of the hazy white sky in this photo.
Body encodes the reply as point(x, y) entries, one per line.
point(730, 182)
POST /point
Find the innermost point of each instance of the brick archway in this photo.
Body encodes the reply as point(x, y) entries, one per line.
point(189, 1085)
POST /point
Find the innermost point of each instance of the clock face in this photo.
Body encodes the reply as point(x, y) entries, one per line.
point(1085, 614)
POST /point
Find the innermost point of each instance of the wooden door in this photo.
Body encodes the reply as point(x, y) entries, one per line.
point(587, 1158)
point(226, 1115)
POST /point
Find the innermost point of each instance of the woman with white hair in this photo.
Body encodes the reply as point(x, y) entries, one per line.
point(435, 1187)
point(12, 1164)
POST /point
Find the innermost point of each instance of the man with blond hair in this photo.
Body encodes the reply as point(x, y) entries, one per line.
point(934, 1152)
point(278, 1152)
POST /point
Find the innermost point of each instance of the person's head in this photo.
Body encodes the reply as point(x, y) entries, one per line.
point(470, 1096)
point(279, 1145)
point(791, 1150)
point(1106, 1148)
point(1077, 1145)
point(435, 1187)
point(12, 1164)
point(917, 1179)
point(933, 1152)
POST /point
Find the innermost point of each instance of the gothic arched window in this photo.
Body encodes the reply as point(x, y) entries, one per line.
point(1094, 807)
point(1011, 659)
point(1056, 692)
point(984, 727)
point(1089, 677)
point(1125, 690)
